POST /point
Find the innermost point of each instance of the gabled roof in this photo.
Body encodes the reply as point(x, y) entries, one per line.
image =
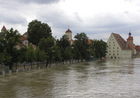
point(122, 43)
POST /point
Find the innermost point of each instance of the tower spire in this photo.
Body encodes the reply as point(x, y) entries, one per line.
point(130, 34)
point(3, 29)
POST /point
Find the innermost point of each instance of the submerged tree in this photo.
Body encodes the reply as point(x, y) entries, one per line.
point(47, 49)
point(8, 41)
point(81, 46)
point(99, 48)
point(47, 44)
point(65, 48)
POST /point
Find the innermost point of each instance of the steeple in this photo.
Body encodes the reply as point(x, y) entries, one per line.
point(68, 35)
point(130, 41)
point(129, 33)
point(3, 29)
point(130, 38)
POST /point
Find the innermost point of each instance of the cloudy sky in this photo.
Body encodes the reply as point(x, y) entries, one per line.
point(97, 18)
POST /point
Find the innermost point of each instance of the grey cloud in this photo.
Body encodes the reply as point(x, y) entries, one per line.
point(100, 24)
point(60, 19)
point(39, 1)
point(12, 19)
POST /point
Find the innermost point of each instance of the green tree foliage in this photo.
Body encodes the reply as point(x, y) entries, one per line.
point(40, 55)
point(81, 46)
point(38, 30)
point(47, 48)
point(56, 53)
point(22, 55)
point(65, 48)
point(8, 41)
point(99, 48)
point(30, 54)
point(47, 45)
point(64, 43)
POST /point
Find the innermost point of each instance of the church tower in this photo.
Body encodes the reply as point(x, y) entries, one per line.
point(3, 29)
point(130, 43)
point(68, 34)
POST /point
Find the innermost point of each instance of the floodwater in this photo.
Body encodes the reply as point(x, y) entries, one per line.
point(110, 79)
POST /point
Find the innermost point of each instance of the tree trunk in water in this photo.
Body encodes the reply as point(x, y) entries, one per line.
point(11, 66)
point(46, 64)
point(31, 65)
point(24, 66)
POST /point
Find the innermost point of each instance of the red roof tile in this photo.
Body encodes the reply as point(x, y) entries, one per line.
point(122, 43)
point(137, 48)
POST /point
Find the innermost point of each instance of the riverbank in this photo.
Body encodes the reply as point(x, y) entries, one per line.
point(4, 70)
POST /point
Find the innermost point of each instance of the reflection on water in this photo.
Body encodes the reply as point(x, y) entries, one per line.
point(110, 79)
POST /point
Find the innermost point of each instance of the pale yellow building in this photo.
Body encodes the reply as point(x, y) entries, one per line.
point(68, 35)
point(119, 48)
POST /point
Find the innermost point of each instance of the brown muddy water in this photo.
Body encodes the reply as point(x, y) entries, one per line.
point(110, 79)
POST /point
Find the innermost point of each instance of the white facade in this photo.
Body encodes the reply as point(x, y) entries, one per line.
point(68, 33)
point(115, 50)
point(126, 54)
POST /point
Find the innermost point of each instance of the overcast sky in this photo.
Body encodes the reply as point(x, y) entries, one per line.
point(97, 18)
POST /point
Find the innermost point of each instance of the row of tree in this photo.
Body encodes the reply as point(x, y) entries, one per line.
point(48, 49)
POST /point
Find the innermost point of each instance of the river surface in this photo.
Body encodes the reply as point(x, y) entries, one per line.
point(110, 79)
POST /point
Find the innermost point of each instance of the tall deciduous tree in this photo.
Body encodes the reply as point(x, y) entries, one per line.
point(65, 48)
point(8, 41)
point(81, 46)
point(99, 48)
point(38, 30)
point(47, 44)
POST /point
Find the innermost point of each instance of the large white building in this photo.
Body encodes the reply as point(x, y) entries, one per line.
point(119, 48)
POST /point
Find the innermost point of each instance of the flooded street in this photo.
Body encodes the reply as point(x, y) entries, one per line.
point(110, 79)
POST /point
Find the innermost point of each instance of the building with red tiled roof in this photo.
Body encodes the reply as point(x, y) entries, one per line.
point(120, 48)
point(137, 50)
point(24, 40)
